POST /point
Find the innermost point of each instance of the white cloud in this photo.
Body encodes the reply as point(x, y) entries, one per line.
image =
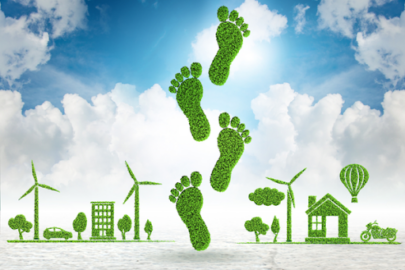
point(26, 49)
point(340, 16)
point(263, 25)
point(294, 134)
point(82, 153)
point(300, 9)
point(379, 49)
point(383, 49)
point(64, 16)
point(90, 143)
point(302, 131)
point(23, 50)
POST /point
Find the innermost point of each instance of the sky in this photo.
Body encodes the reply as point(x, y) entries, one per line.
point(84, 88)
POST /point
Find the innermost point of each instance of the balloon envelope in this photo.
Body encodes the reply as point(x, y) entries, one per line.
point(354, 177)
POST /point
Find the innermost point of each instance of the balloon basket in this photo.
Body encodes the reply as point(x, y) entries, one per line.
point(354, 200)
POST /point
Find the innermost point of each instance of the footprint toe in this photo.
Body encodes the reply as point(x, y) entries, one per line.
point(196, 69)
point(196, 179)
point(222, 13)
point(224, 119)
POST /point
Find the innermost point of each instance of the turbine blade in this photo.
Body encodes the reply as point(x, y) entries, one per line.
point(48, 187)
point(296, 176)
point(131, 173)
point(33, 172)
point(148, 183)
point(291, 194)
point(278, 181)
point(28, 192)
point(130, 192)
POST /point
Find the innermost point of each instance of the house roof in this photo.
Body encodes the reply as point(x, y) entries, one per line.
point(327, 198)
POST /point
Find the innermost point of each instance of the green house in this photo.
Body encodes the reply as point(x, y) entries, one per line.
point(102, 221)
point(318, 211)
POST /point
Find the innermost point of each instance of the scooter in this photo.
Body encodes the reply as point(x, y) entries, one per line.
point(378, 233)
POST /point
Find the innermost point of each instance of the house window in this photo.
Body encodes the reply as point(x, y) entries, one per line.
point(316, 223)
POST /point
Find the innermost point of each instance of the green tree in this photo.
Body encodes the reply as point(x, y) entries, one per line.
point(256, 225)
point(80, 224)
point(148, 228)
point(135, 188)
point(124, 225)
point(290, 197)
point(36, 215)
point(21, 224)
point(275, 228)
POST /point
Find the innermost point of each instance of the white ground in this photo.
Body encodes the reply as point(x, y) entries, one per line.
point(223, 252)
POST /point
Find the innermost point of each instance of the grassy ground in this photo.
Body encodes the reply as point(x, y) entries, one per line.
point(305, 243)
point(83, 241)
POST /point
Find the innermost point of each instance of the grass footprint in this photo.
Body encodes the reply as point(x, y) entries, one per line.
point(189, 96)
point(231, 147)
point(189, 205)
point(230, 41)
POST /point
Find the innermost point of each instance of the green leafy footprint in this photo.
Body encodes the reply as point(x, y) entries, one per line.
point(231, 147)
point(189, 205)
point(230, 41)
point(189, 96)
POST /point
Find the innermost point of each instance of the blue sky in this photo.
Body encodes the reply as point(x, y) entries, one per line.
point(84, 87)
point(143, 43)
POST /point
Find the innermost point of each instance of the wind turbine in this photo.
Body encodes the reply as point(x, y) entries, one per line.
point(290, 197)
point(135, 188)
point(36, 185)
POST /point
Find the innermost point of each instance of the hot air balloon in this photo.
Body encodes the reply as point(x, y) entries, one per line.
point(354, 177)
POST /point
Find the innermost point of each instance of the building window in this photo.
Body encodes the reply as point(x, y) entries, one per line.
point(316, 223)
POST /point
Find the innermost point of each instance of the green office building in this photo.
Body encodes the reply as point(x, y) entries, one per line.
point(102, 221)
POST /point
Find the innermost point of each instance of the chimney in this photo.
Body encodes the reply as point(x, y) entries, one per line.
point(311, 201)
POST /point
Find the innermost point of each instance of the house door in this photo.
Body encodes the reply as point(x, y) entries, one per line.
point(332, 226)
